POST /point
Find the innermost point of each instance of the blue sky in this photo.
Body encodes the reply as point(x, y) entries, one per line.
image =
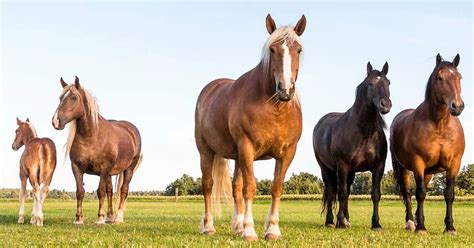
point(147, 62)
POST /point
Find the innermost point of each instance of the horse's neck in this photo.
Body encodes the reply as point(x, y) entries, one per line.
point(365, 117)
point(437, 113)
point(86, 127)
point(264, 87)
point(28, 138)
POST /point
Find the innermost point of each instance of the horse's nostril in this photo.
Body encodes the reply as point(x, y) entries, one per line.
point(453, 105)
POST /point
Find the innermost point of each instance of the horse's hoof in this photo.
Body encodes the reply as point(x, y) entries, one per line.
point(250, 238)
point(33, 219)
point(410, 225)
point(100, 222)
point(343, 224)
point(119, 222)
point(330, 225)
point(450, 232)
point(209, 232)
point(109, 220)
point(376, 229)
point(421, 232)
point(250, 235)
point(78, 222)
point(272, 236)
point(21, 220)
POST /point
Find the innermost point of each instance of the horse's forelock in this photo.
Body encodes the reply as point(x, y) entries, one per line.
point(285, 33)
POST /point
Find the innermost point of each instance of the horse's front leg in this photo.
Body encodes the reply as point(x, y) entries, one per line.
point(451, 174)
point(419, 173)
point(281, 166)
point(377, 175)
point(246, 158)
point(101, 194)
point(78, 175)
point(342, 174)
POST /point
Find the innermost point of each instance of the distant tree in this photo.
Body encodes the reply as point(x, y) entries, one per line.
point(387, 185)
point(264, 187)
point(465, 180)
point(362, 184)
point(185, 185)
point(303, 183)
point(197, 186)
point(437, 184)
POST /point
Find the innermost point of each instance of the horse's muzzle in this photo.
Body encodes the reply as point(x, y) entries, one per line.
point(456, 109)
point(384, 106)
point(285, 95)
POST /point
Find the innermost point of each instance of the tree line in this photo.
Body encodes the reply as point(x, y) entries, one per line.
point(298, 184)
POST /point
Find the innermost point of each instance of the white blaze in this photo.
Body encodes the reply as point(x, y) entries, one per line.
point(286, 68)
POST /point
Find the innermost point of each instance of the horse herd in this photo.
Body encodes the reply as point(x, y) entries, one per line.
point(257, 117)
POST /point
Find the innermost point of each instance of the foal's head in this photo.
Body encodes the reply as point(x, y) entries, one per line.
point(281, 56)
point(23, 133)
point(445, 85)
point(74, 103)
point(377, 85)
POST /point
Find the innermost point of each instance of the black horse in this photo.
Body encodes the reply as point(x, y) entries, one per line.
point(354, 141)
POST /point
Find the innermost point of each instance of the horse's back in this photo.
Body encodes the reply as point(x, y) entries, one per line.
point(322, 137)
point(211, 118)
point(39, 158)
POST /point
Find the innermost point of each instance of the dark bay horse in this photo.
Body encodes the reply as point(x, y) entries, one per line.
point(354, 141)
point(428, 140)
point(37, 163)
point(257, 116)
point(99, 147)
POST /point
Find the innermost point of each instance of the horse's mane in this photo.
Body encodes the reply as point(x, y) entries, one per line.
point(32, 128)
point(92, 109)
point(286, 33)
point(361, 98)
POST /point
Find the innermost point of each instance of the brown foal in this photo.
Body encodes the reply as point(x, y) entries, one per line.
point(428, 140)
point(37, 163)
point(255, 117)
point(99, 147)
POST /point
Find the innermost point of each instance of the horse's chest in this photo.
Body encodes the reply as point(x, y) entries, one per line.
point(364, 156)
point(91, 159)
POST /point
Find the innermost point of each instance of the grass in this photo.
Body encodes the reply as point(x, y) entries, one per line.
point(165, 223)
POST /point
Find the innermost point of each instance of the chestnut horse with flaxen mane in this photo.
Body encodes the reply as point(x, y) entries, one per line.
point(37, 163)
point(429, 140)
point(257, 116)
point(99, 147)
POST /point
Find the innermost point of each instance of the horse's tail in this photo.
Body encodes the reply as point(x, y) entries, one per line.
point(397, 175)
point(120, 180)
point(222, 186)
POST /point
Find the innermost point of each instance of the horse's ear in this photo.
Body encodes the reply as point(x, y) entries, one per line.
point(385, 69)
point(456, 60)
point(300, 26)
point(28, 120)
point(439, 59)
point(271, 26)
point(64, 84)
point(76, 83)
point(369, 68)
point(18, 122)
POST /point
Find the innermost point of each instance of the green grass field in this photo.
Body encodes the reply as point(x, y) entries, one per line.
point(164, 223)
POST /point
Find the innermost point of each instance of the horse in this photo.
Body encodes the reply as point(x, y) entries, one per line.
point(37, 163)
point(256, 117)
point(98, 147)
point(429, 140)
point(354, 141)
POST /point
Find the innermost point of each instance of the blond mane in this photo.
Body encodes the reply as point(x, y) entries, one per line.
point(92, 110)
point(32, 128)
point(285, 33)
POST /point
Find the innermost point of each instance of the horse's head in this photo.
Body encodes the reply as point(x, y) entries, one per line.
point(71, 104)
point(446, 85)
point(281, 56)
point(23, 133)
point(378, 92)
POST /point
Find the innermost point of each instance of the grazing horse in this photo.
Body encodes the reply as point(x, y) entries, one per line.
point(255, 117)
point(37, 163)
point(354, 141)
point(429, 140)
point(99, 147)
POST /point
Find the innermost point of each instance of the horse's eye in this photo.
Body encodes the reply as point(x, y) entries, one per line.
point(272, 50)
point(301, 50)
point(73, 97)
point(440, 78)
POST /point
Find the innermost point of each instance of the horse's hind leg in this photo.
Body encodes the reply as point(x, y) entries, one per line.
point(451, 174)
point(375, 194)
point(330, 191)
point(37, 218)
point(23, 178)
point(127, 177)
point(110, 210)
point(237, 187)
point(207, 223)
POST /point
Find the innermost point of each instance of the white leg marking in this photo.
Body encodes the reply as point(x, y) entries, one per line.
point(238, 222)
point(410, 225)
point(271, 225)
point(207, 228)
point(119, 217)
point(249, 230)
